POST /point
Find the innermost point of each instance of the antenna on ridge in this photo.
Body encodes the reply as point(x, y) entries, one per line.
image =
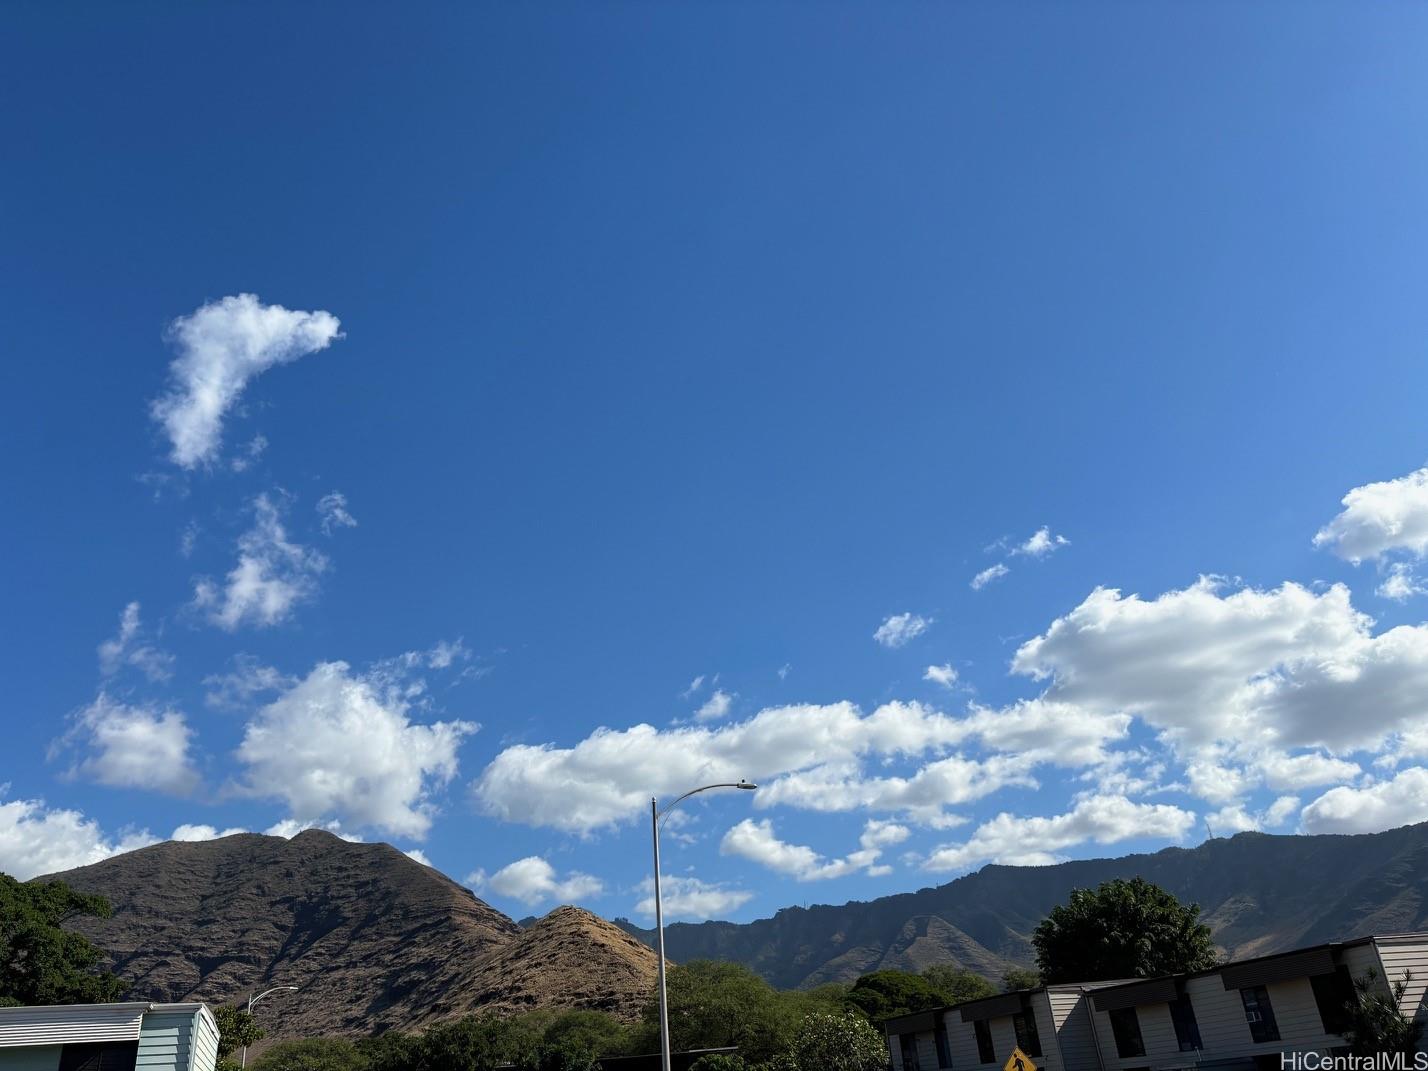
point(1208, 830)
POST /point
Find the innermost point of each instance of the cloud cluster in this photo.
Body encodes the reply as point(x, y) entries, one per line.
point(691, 898)
point(1039, 841)
point(221, 347)
point(988, 575)
point(35, 839)
point(532, 880)
point(806, 756)
point(901, 629)
point(272, 577)
point(342, 746)
point(1380, 519)
point(129, 648)
point(128, 746)
point(757, 841)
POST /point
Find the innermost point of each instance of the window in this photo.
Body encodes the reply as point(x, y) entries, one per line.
point(1333, 993)
point(909, 1052)
point(101, 1056)
point(1126, 1029)
point(1027, 1039)
point(1259, 1014)
point(944, 1047)
point(1187, 1030)
point(985, 1052)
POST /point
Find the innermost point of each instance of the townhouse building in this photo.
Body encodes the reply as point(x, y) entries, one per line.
point(1239, 1016)
point(136, 1036)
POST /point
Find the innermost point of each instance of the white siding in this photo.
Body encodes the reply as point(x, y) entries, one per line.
point(963, 1040)
point(1405, 954)
point(205, 1041)
point(76, 1022)
point(1071, 1016)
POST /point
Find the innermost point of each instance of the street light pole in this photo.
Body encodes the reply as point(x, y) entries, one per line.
point(254, 1000)
point(656, 817)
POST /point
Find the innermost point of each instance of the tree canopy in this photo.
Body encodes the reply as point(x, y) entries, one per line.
point(956, 985)
point(1122, 929)
point(41, 962)
point(883, 994)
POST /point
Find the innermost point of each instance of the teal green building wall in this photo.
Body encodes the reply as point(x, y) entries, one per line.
point(166, 1042)
point(205, 1043)
point(30, 1058)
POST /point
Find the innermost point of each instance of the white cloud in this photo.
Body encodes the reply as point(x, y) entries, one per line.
point(251, 452)
point(131, 747)
point(532, 880)
point(1041, 543)
point(989, 574)
point(128, 648)
point(1379, 519)
point(1400, 584)
point(188, 832)
point(1401, 801)
point(694, 686)
point(418, 855)
point(1038, 841)
point(900, 629)
point(944, 675)
point(273, 575)
point(340, 746)
point(221, 347)
point(715, 707)
point(36, 840)
point(1236, 818)
point(807, 756)
point(691, 898)
point(188, 539)
point(757, 841)
point(248, 678)
point(1271, 671)
point(332, 508)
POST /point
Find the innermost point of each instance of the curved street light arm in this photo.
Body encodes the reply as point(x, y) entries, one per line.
point(662, 814)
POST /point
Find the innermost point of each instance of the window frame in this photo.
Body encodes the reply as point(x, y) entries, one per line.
point(1125, 1030)
point(1265, 1028)
point(986, 1048)
point(1028, 1037)
point(906, 1043)
point(944, 1044)
point(1187, 1026)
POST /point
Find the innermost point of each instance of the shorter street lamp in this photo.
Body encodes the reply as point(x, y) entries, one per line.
point(656, 817)
point(254, 1000)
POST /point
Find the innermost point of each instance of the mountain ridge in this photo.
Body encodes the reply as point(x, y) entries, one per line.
point(373, 939)
point(1259, 893)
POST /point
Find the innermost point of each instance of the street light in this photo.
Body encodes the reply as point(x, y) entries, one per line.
point(656, 817)
point(254, 1000)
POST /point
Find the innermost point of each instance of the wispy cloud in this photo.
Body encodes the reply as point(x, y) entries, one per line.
point(221, 347)
point(273, 575)
point(901, 629)
point(128, 647)
point(332, 508)
point(988, 575)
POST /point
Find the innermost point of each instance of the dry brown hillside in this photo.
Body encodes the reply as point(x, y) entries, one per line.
point(373, 939)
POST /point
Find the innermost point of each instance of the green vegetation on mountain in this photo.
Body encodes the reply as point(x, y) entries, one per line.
point(42, 962)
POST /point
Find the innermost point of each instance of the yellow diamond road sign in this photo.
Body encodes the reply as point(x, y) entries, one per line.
point(1019, 1061)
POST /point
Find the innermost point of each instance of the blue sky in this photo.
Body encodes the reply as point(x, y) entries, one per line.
point(645, 345)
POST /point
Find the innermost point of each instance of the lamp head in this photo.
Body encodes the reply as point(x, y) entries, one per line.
point(746, 785)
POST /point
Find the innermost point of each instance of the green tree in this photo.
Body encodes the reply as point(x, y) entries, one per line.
point(956, 985)
point(715, 1005)
point(1020, 978)
point(392, 1051)
point(846, 1042)
point(602, 1034)
point(883, 994)
point(1376, 1020)
point(236, 1028)
point(1123, 929)
point(719, 1061)
point(41, 962)
point(312, 1054)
